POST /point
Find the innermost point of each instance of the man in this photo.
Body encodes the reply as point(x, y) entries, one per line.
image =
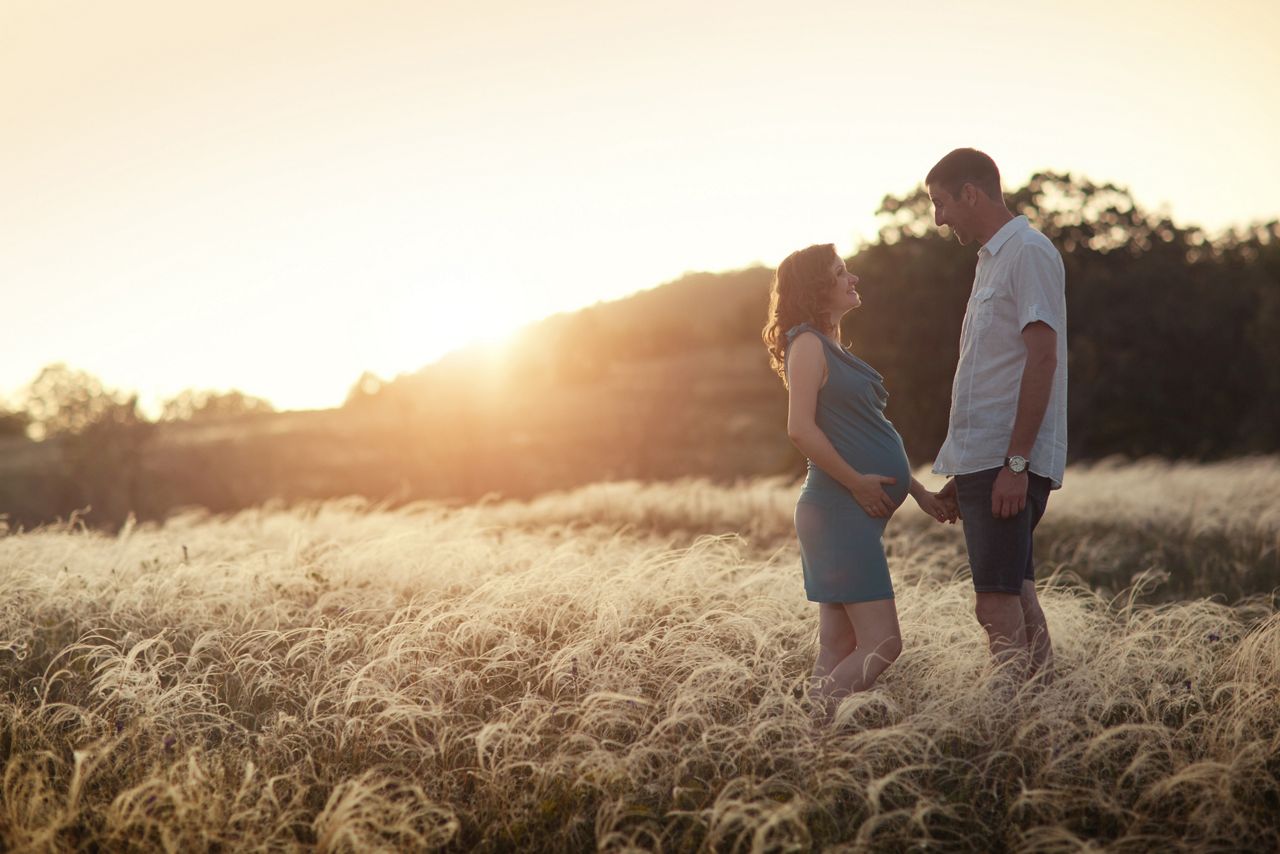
point(1006, 445)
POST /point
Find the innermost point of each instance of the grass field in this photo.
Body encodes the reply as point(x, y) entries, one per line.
point(620, 667)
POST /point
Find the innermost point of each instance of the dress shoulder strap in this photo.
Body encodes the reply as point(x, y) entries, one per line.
point(802, 327)
point(839, 352)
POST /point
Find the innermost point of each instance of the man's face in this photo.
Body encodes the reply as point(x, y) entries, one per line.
point(955, 212)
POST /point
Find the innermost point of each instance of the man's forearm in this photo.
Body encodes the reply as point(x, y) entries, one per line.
point(1033, 400)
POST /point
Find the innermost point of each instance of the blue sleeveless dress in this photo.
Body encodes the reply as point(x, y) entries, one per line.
point(840, 545)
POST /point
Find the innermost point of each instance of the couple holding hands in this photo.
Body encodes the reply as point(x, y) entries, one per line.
point(1005, 447)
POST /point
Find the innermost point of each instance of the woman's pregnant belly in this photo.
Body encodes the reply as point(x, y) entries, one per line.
point(883, 456)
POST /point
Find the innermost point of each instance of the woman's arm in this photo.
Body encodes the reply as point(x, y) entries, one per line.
point(806, 366)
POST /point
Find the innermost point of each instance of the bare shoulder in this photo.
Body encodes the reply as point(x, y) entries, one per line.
point(806, 341)
point(806, 348)
point(805, 355)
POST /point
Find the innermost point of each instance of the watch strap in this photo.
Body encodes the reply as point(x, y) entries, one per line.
point(1008, 461)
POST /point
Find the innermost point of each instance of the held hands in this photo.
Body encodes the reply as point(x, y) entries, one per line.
point(942, 505)
point(951, 499)
point(935, 507)
point(868, 491)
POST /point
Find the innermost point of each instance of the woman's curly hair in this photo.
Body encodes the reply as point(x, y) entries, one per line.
point(801, 288)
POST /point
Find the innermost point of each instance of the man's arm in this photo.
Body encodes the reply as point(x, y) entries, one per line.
point(1009, 495)
point(1036, 386)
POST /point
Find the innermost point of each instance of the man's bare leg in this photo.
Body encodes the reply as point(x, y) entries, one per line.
point(1001, 615)
point(1038, 641)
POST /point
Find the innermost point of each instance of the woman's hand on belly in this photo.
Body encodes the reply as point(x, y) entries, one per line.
point(869, 491)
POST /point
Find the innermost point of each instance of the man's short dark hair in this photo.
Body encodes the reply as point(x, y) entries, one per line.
point(966, 166)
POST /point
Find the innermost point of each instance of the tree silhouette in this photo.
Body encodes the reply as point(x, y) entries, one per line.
point(192, 405)
point(1171, 338)
point(62, 401)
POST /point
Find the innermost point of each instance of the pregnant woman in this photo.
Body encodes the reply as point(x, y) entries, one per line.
point(858, 472)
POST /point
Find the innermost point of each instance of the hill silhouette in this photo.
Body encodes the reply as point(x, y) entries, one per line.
point(1174, 351)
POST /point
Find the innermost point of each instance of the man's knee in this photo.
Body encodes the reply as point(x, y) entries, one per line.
point(1001, 612)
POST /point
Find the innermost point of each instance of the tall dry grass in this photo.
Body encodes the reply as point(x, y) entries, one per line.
point(620, 667)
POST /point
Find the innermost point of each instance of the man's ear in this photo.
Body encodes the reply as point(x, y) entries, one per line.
point(969, 193)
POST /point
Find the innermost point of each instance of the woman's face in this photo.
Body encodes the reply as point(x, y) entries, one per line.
point(844, 293)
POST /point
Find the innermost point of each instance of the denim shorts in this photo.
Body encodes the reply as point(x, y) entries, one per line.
point(999, 549)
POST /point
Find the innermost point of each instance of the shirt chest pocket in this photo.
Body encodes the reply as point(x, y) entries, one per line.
point(982, 307)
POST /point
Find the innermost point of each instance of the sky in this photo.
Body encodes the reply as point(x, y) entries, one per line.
point(276, 197)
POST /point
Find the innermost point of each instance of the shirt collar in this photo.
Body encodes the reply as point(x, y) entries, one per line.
point(1009, 229)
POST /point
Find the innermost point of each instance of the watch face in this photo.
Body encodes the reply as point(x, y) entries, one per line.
point(1017, 464)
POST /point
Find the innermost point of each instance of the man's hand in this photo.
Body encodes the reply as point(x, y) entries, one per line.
point(1009, 494)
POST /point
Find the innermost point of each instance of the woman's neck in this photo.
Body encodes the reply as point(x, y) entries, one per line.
point(832, 332)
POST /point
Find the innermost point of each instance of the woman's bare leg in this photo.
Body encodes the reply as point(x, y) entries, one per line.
point(877, 642)
point(836, 640)
point(879, 645)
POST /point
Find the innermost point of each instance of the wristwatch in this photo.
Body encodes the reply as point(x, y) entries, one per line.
point(1017, 465)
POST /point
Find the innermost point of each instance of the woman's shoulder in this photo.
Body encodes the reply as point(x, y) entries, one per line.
point(804, 344)
point(804, 337)
point(801, 328)
point(821, 343)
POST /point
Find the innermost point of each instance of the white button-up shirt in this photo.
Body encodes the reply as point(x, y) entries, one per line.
point(1020, 279)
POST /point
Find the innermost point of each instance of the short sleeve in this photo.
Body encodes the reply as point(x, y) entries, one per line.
point(1040, 287)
